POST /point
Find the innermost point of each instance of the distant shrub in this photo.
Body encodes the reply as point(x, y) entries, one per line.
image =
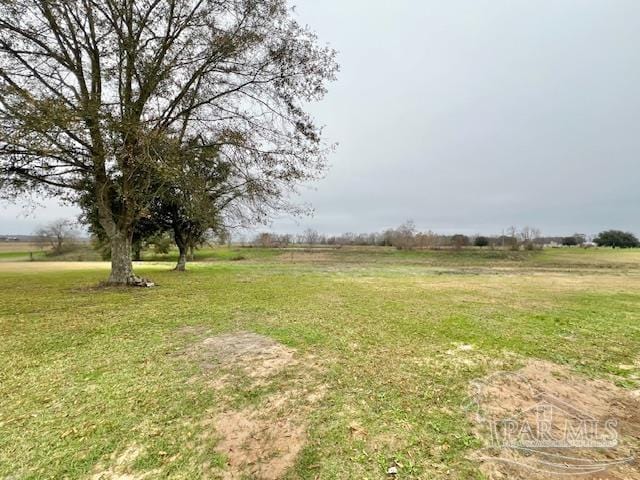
point(617, 239)
point(569, 241)
point(403, 238)
point(459, 241)
point(57, 237)
point(161, 244)
point(481, 242)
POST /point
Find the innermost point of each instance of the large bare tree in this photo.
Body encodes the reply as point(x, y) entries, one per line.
point(94, 92)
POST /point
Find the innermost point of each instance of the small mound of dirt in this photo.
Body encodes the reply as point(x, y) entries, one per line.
point(257, 355)
point(546, 421)
point(257, 444)
point(264, 440)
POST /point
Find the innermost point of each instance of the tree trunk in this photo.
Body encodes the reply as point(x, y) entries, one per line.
point(137, 251)
point(120, 235)
point(121, 266)
point(182, 259)
point(182, 242)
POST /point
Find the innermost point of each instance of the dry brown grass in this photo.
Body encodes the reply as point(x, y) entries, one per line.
point(19, 247)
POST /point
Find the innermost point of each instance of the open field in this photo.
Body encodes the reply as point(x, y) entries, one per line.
point(28, 251)
point(469, 257)
point(322, 364)
point(19, 251)
point(22, 247)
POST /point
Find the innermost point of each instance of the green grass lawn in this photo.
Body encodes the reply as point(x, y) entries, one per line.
point(20, 256)
point(87, 373)
point(25, 251)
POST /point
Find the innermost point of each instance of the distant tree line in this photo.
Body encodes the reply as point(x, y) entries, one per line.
point(61, 236)
point(408, 237)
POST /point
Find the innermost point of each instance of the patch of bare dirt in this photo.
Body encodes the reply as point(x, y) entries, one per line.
point(120, 466)
point(259, 444)
point(546, 421)
point(261, 441)
point(193, 330)
point(258, 356)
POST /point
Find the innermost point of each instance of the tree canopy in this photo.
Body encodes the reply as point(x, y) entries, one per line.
point(100, 100)
point(617, 239)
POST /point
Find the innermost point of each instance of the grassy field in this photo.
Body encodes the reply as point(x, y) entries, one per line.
point(28, 251)
point(19, 251)
point(376, 352)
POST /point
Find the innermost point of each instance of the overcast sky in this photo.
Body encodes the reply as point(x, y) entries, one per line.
point(471, 116)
